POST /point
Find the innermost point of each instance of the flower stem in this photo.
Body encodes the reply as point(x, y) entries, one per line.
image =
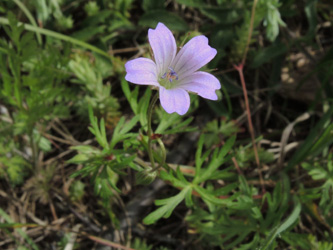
point(163, 155)
point(160, 142)
point(150, 131)
point(239, 68)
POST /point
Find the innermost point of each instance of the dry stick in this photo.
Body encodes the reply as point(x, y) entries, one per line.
point(107, 242)
point(239, 68)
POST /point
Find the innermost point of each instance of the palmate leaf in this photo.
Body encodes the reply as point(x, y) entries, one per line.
point(98, 130)
point(168, 176)
point(208, 197)
point(121, 131)
point(277, 204)
point(139, 107)
point(217, 160)
point(167, 206)
point(172, 123)
point(273, 19)
point(284, 226)
point(220, 228)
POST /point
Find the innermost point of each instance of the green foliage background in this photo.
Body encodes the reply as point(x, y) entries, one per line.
point(73, 132)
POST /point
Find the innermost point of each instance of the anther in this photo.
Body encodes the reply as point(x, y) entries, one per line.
point(171, 75)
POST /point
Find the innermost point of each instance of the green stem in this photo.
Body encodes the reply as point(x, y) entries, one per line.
point(30, 17)
point(163, 155)
point(59, 36)
point(160, 142)
point(150, 132)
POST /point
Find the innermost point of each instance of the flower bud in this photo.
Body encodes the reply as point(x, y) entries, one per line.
point(145, 177)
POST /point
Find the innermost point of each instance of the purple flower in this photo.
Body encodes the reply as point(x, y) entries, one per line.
point(175, 73)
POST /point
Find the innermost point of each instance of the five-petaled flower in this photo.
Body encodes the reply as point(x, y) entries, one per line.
point(175, 73)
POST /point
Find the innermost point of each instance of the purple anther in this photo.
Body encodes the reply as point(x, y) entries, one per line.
point(171, 75)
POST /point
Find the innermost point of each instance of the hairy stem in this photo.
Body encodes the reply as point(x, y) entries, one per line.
point(161, 144)
point(239, 68)
point(150, 131)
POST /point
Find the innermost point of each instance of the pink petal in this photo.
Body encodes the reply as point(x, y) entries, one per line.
point(202, 83)
point(174, 100)
point(141, 71)
point(195, 54)
point(164, 47)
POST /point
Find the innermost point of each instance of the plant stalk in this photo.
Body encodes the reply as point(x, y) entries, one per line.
point(161, 144)
point(239, 68)
point(150, 131)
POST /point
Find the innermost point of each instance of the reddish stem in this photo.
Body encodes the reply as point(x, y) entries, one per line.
point(239, 68)
point(237, 166)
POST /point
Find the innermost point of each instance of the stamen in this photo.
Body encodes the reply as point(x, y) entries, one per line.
point(171, 75)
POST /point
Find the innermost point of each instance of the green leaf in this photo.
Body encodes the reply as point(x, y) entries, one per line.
point(325, 139)
point(217, 160)
point(98, 131)
point(284, 226)
point(77, 190)
point(167, 206)
point(149, 5)
point(305, 149)
point(198, 159)
point(171, 20)
point(172, 123)
point(78, 159)
point(208, 197)
point(4, 216)
point(143, 108)
point(30, 17)
point(226, 16)
point(57, 36)
point(268, 54)
point(121, 130)
point(132, 97)
point(318, 174)
point(88, 32)
point(192, 3)
point(273, 20)
point(311, 14)
point(168, 176)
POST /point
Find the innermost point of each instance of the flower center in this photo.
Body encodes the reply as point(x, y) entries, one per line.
point(168, 77)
